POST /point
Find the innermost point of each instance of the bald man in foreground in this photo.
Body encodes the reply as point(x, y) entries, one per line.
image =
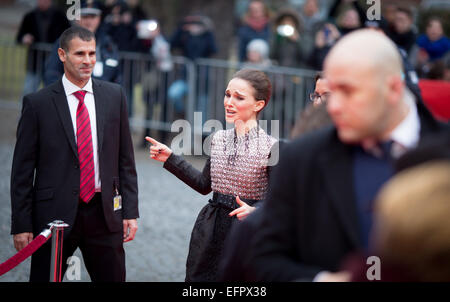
point(320, 211)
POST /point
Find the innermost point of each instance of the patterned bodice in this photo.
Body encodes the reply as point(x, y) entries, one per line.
point(239, 163)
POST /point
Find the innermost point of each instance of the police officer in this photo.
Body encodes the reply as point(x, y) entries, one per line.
point(107, 67)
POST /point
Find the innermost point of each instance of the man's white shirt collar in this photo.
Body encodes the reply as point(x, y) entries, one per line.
point(407, 133)
point(70, 87)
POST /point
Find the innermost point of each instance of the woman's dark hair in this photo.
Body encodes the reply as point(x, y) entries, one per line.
point(72, 33)
point(259, 81)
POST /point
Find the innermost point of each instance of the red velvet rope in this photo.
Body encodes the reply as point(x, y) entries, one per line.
point(22, 255)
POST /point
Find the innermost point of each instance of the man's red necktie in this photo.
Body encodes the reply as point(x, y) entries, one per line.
point(85, 149)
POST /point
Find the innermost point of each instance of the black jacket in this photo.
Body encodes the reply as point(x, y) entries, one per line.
point(31, 24)
point(310, 220)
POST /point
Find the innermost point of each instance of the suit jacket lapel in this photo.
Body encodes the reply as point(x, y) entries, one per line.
point(428, 125)
point(100, 110)
point(60, 100)
point(336, 168)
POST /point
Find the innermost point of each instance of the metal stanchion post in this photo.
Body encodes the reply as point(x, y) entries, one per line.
point(57, 228)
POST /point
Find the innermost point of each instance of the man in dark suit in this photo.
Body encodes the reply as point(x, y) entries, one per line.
point(319, 212)
point(73, 156)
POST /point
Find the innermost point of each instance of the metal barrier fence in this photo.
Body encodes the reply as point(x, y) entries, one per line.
point(163, 96)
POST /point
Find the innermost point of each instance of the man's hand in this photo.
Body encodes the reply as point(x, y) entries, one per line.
point(129, 229)
point(22, 240)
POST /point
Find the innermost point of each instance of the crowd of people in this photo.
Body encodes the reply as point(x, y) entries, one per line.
point(289, 36)
point(302, 37)
point(355, 181)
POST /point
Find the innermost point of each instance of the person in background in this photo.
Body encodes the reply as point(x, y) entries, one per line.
point(389, 10)
point(344, 17)
point(348, 21)
point(321, 91)
point(411, 227)
point(137, 12)
point(255, 24)
point(44, 24)
point(107, 64)
point(436, 89)
point(121, 25)
point(291, 47)
point(311, 118)
point(403, 33)
point(311, 16)
point(324, 40)
point(410, 75)
point(434, 45)
point(195, 38)
point(156, 79)
point(258, 54)
point(348, 15)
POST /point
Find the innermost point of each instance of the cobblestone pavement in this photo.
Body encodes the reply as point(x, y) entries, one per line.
point(168, 209)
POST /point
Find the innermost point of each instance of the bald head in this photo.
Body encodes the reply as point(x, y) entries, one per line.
point(364, 74)
point(367, 48)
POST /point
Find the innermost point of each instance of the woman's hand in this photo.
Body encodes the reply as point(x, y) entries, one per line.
point(243, 211)
point(158, 151)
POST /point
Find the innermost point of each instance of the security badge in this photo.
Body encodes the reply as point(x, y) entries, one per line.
point(117, 199)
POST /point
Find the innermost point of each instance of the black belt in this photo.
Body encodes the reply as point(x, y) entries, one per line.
point(229, 201)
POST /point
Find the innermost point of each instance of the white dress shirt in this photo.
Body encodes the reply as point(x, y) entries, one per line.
point(407, 134)
point(89, 101)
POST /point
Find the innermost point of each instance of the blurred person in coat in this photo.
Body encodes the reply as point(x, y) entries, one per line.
point(411, 228)
point(44, 24)
point(255, 24)
point(318, 213)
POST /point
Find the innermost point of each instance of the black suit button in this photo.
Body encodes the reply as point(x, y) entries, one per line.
point(75, 192)
point(76, 166)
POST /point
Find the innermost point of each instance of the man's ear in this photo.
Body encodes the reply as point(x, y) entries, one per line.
point(62, 54)
point(396, 88)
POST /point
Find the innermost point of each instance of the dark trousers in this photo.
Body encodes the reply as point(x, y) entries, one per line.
point(103, 253)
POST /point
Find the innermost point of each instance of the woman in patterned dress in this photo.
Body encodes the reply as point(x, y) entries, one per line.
point(236, 172)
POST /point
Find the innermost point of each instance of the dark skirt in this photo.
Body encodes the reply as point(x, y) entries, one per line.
point(207, 243)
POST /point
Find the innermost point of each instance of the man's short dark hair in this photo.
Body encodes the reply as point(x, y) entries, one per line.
point(74, 32)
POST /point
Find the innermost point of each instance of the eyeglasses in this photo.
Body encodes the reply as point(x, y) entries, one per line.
point(313, 97)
